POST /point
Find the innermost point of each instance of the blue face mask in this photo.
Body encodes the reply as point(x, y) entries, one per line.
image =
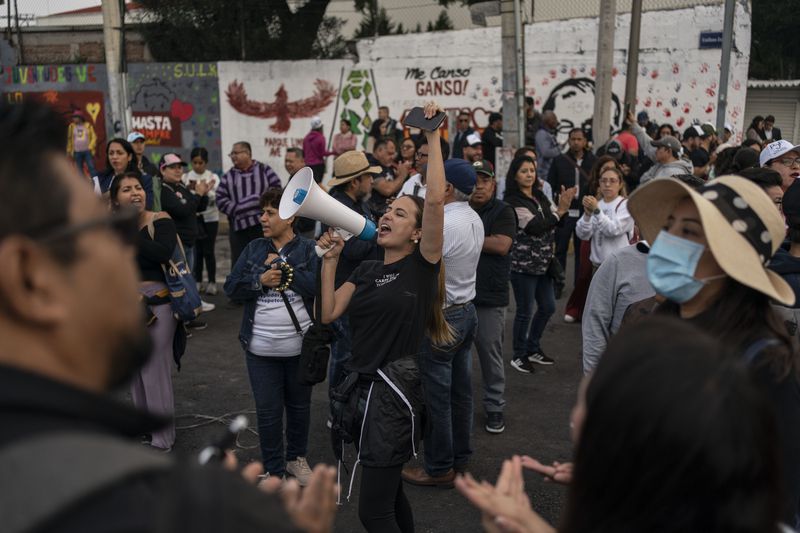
point(671, 264)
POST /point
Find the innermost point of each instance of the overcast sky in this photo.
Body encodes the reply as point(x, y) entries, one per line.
point(47, 7)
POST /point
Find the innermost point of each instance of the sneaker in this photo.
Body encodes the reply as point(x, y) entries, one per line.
point(523, 365)
point(495, 423)
point(540, 358)
point(201, 287)
point(569, 319)
point(211, 289)
point(207, 306)
point(196, 324)
point(329, 423)
point(300, 470)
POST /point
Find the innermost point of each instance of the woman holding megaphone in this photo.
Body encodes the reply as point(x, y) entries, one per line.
point(392, 305)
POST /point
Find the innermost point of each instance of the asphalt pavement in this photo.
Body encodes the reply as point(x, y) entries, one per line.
point(213, 384)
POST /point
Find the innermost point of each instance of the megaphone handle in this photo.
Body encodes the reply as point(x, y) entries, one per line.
point(322, 251)
point(344, 234)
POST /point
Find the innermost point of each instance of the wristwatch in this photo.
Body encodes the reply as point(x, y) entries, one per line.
point(596, 211)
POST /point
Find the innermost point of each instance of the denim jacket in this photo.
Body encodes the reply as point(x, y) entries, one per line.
point(244, 282)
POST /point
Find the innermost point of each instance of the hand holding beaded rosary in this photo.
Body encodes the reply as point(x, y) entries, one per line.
point(279, 276)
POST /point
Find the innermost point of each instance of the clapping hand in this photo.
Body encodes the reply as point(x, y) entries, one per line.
point(565, 199)
point(505, 507)
point(558, 472)
point(589, 204)
point(202, 188)
point(311, 509)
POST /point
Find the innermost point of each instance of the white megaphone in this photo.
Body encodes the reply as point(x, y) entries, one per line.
point(303, 197)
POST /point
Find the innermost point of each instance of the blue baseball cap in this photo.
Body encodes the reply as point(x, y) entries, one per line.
point(461, 174)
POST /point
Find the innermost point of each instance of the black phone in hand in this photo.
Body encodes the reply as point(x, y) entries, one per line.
point(416, 119)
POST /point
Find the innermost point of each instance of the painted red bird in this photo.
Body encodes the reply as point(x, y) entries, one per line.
point(281, 109)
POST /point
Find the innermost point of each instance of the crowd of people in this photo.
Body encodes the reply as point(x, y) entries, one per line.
point(686, 273)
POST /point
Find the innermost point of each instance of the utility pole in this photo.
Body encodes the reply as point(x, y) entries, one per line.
point(513, 82)
point(605, 62)
point(633, 56)
point(20, 46)
point(725, 64)
point(116, 86)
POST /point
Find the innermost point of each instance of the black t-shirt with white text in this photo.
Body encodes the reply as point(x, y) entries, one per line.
point(389, 310)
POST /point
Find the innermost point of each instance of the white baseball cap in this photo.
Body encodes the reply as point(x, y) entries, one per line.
point(316, 123)
point(775, 150)
point(472, 139)
point(135, 136)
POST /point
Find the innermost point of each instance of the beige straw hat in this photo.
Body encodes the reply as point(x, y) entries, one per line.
point(742, 226)
point(349, 166)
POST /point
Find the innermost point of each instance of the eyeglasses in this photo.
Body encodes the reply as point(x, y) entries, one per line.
point(237, 153)
point(420, 155)
point(789, 161)
point(609, 181)
point(124, 223)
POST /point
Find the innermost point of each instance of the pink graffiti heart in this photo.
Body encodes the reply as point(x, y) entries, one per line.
point(183, 111)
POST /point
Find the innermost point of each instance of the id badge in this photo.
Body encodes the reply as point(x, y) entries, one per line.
point(574, 213)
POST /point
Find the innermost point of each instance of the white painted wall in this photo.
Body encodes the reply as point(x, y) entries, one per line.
point(462, 70)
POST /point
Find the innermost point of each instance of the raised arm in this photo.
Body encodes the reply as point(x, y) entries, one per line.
point(433, 216)
point(334, 302)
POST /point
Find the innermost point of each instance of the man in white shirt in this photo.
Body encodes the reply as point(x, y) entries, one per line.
point(415, 185)
point(447, 371)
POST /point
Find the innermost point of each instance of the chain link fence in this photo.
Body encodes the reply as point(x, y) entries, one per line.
point(30, 20)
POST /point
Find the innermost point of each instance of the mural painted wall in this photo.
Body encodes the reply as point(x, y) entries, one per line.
point(176, 107)
point(270, 105)
point(677, 82)
point(68, 88)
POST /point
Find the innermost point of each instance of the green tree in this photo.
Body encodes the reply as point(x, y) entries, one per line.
point(210, 30)
point(775, 40)
point(442, 22)
point(374, 22)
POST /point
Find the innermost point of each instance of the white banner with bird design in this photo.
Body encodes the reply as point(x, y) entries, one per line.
point(270, 105)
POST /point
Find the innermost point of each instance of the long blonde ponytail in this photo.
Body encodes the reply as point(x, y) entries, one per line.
point(439, 331)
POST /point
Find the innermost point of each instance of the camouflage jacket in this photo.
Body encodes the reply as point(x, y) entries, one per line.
point(534, 245)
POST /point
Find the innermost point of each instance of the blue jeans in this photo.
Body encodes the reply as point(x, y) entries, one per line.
point(275, 388)
point(530, 289)
point(189, 251)
point(447, 380)
point(85, 157)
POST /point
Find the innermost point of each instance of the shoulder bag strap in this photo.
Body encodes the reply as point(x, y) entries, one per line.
point(578, 168)
point(292, 315)
point(30, 494)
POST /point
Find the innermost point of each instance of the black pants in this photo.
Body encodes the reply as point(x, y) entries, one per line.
point(204, 252)
point(565, 232)
point(319, 171)
point(240, 239)
point(382, 504)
